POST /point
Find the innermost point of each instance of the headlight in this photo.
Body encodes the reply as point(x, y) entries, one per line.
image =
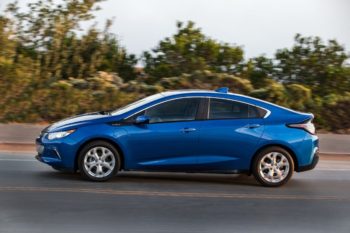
point(60, 134)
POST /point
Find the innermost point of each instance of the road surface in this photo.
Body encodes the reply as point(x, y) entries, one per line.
point(36, 199)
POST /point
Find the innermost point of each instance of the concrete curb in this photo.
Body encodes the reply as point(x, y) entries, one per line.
point(17, 147)
point(16, 143)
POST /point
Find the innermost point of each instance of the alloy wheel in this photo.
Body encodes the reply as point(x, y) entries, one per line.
point(274, 167)
point(99, 162)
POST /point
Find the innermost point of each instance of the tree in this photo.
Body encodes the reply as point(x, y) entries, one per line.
point(298, 96)
point(207, 80)
point(48, 34)
point(190, 50)
point(336, 115)
point(273, 92)
point(258, 70)
point(315, 64)
point(15, 78)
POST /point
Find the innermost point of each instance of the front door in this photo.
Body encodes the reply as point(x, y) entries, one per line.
point(169, 141)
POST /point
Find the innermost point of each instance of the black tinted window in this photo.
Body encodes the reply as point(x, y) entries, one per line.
point(175, 110)
point(255, 112)
point(226, 109)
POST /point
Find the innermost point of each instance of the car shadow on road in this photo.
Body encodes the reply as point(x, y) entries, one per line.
point(159, 178)
point(156, 177)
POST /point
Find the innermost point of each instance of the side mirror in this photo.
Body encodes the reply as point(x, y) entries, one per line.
point(142, 120)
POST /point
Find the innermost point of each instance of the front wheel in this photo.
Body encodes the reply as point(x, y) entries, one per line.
point(98, 161)
point(273, 166)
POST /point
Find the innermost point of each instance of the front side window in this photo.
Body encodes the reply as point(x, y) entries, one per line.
point(227, 109)
point(175, 110)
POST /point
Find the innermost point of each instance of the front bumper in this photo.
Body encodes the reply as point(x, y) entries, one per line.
point(48, 155)
point(55, 154)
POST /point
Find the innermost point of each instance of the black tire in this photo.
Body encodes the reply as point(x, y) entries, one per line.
point(258, 159)
point(98, 144)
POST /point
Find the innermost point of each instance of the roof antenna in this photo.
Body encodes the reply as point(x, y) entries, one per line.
point(222, 90)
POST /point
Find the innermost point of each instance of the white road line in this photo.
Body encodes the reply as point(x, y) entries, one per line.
point(21, 160)
point(333, 169)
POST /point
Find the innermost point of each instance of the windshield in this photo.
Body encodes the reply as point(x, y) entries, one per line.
point(136, 104)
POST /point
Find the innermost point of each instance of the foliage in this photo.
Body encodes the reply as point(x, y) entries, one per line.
point(258, 70)
point(207, 80)
point(47, 33)
point(337, 115)
point(312, 63)
point(50, 68)
point(189, 50)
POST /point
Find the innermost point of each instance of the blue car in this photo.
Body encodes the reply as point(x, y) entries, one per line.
point(185, 131)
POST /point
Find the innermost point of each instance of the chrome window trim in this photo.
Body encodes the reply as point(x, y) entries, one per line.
point(208, 110)
point(268, 112)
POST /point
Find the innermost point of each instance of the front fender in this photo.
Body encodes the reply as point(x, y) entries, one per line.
point(70, 146)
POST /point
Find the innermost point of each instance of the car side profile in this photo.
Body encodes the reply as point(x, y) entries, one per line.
point(185, 131)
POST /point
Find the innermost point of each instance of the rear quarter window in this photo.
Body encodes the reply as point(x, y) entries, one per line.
point(229, 109)
point(256, 112)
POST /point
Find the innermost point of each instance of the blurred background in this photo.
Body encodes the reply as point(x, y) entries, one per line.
point(59, 58)
point(64, 57)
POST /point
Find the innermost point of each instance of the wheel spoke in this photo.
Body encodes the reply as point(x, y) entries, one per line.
point(94, 153)
point(106, 153)
point(91, 164)
point(282, 162)
point(265, 164)
point(99, 170)
point(107, 165)
point(274, 157)
point(279, 173)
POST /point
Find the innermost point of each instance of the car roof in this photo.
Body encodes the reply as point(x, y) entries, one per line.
point(208, 93)
point(187, 91)
point(230, 95)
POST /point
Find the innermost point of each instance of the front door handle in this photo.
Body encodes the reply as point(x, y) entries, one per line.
point(187, 130)
point(252, 126)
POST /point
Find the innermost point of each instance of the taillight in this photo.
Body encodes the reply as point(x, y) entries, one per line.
point(307, 126)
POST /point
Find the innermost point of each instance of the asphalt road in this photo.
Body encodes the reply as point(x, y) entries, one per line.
point(36, 199)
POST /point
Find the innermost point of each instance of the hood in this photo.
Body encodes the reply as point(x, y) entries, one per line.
point(78, 121)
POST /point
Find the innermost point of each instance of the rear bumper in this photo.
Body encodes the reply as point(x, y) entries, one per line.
point(310, 166)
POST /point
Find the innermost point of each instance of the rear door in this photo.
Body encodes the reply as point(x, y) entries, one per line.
point(229, 136)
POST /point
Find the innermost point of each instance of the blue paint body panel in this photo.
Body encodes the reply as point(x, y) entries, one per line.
point(225, 145)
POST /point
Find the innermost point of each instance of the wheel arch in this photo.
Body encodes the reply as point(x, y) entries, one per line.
point(113, 143)
point(291, 152)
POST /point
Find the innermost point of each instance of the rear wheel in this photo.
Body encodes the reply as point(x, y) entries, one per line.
point(98, 161)
point(273, 166)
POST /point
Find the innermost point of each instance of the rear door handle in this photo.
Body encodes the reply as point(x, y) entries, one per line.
point(252, 126)
point(187, 130)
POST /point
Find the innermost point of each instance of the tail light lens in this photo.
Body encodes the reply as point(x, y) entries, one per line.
point(308, 126)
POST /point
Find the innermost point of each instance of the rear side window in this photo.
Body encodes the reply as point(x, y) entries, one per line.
point(255, 112)
point(227, 109)
point(174, 110)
